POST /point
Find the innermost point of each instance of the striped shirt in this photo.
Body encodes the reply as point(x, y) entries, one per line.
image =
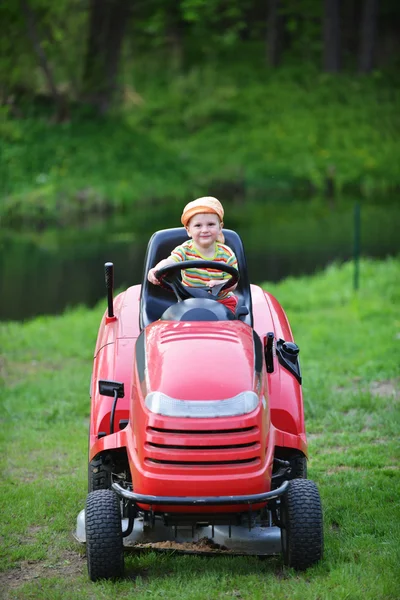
point(201, 277)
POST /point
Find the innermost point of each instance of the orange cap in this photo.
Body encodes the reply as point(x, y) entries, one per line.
point(208, 204)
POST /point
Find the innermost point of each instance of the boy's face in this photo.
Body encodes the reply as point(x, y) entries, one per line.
point(204, 228)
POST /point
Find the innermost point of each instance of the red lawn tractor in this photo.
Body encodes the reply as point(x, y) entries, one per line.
point(197, 425)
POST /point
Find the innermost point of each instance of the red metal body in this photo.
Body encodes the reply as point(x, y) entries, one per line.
point(195, 361)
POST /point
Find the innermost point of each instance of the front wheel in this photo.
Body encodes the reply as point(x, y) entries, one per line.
point(301, 525)
point(104, 542)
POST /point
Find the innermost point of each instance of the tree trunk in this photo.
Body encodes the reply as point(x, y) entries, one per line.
point(274, 33)
point(331, 36)
point(174, 41)
point(173, 34)
point(107, 24)
point(367, 36)
point(116, 31)
point(33, 35)
point(93, 77)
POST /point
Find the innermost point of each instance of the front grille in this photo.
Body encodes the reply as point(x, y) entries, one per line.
point(209, 447)
point(202, 431)
point(202, 447)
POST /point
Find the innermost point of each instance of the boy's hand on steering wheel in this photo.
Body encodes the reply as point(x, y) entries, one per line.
point(151, 276)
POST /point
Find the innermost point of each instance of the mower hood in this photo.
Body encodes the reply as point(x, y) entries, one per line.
point(198, 361)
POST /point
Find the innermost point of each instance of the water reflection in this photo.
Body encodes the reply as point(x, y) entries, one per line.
point(43, 273)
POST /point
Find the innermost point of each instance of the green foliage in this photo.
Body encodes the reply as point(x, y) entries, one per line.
point(197, 109)
point(222, 124)
point(61, 29)
point(303, 20)
point(184, 31)
point(215, 22)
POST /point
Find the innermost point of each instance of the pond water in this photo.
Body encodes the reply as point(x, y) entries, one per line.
point(46, 272)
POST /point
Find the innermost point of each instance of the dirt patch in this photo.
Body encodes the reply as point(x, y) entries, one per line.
point(31, 534)
point(202, 545)
point(70, 564)
point(330, 449)
point(54, 467)
point(389, 388)
point(340, 469)
point(20, 473)
point(232, 594)
point(314, 436)
point(2, 368)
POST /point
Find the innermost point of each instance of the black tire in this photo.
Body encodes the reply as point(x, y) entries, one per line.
point(99, 473)
point(301, 525)
point(104, 542)
point(299, 467)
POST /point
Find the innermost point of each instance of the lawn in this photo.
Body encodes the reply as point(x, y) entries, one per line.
point(349, 344)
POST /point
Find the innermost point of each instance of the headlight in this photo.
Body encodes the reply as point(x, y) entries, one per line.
point(161, 404)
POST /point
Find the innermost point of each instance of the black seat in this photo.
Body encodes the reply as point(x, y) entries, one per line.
point(154, 299)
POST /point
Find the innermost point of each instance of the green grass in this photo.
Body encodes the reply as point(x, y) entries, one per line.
point(350, 360)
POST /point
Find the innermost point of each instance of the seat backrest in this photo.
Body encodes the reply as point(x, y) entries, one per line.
point(154, 299)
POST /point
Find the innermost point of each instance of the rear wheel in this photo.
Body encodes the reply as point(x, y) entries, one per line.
point(104, 542)
point(301, 524)
point(99, 473)
point(299, 467)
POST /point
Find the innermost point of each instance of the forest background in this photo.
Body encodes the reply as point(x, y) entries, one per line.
point(105, 103)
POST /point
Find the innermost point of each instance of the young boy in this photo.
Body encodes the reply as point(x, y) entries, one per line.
point(203, 221)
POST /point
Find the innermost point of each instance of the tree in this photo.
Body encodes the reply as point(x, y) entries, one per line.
point(274, 33)
point(107, 24)
point(33, 34)
point(367, 36)
point(331, 36)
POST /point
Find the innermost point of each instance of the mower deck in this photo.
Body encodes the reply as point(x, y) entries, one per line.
point(259, 541)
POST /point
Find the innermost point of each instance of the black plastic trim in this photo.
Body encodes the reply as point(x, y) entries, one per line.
point(258, 352)
point(288, 360)
point(269, 352)
point(110, 388)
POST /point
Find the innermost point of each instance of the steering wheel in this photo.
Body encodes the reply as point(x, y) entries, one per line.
point(169, 277)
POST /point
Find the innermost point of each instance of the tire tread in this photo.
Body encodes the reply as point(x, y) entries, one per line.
point(99, 473)
point(304, 524)
point(104, 542)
